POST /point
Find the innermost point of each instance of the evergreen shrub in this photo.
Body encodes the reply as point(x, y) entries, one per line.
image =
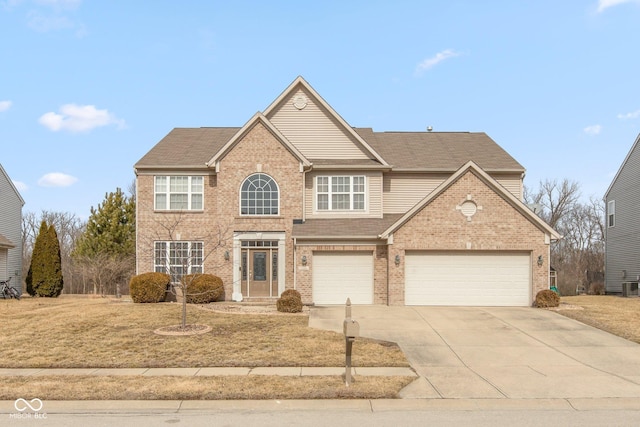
point(202, 288)
point(290, 301)
point(547, 298)
point(149, 287)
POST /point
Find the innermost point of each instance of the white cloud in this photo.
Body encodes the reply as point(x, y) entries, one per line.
point(21, 186)
point(5, 105)
point(606, 4)
point(57, 179)
point(435, 60)
point(49, 15)
point(593, 130)
point(632, 115)
point(63, 4)
point(79, 118)
point(45, 22)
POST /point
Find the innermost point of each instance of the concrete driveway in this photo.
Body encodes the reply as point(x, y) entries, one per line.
point(498, 352)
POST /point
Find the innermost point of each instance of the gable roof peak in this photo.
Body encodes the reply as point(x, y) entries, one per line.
point(258, 118)
point(301, 82)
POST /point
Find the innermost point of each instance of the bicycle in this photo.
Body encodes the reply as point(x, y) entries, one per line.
point(7, 290)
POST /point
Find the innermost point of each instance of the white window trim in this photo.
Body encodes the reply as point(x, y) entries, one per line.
point(166, 267)
point(168, 193)
point(329, 194)
point(262, 214)
point(611, 214)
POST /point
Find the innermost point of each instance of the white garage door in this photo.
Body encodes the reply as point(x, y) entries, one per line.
point(341, 275)
point(486, 279)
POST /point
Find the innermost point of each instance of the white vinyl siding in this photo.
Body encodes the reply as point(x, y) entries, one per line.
point(178, 192)
point(513, 184)
point(341, 275)
point(403, 191)
point(313, 130)
point(11, 228)
point(465, 279)
point(622, 243)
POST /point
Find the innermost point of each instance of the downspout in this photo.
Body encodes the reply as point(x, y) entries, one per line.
point(295, 276)
point(389, 243)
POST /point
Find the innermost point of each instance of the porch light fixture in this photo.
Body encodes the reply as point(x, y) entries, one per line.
point(304, 260)
point(397, 260)
point(226, 255)
point(540, 261)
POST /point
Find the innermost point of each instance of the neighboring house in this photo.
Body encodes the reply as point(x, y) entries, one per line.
point(622, 237)
point(311, 203)
point(11, 204)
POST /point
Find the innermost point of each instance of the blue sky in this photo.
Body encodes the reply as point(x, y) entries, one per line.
point(88, 87)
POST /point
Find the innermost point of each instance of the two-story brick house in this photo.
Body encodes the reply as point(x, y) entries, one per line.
point(306, 201)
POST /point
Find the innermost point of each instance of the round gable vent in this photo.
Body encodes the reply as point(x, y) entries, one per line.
point(299, 101)
point(469, 208)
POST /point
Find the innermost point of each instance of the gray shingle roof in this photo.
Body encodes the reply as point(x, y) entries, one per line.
point(187, 147)
point(447, 151)
point(6, 243)
point(439, 150)
point(344, 227)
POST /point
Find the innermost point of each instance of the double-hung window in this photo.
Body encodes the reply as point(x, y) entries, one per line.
point(178, 258)
point(340, 193)
point(611, 213)
point(178, 193)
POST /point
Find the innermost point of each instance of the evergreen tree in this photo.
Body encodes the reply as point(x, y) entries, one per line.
point(106, 249)
point(37, 268)
point(46, 264)
point(110, 229)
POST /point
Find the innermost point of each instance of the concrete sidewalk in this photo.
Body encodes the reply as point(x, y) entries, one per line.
point(214, 371)
point(146, 407)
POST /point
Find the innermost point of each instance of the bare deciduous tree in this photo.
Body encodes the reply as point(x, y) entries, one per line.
point(180, 255)
point(579, 256)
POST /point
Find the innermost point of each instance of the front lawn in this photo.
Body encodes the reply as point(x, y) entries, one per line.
point(616, 315)
point(106, 333)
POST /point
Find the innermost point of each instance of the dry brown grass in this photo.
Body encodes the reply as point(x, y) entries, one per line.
point(105, 333)
point(616, 315)
point(199, 388)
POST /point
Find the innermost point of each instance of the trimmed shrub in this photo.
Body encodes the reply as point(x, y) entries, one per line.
point(149, 287)
point(202, 288)
point(291, 293)
point(290, 301)
point(547, 298)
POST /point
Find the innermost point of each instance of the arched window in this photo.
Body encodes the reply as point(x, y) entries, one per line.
point(259, 195)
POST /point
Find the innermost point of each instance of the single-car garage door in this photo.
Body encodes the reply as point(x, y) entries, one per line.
point(341, 275)
point(480, 279)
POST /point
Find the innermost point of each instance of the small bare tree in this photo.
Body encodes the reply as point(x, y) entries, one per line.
point(106, 272)
point(184, 260)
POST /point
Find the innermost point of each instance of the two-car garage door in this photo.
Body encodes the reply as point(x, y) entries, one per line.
point(481, 279)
